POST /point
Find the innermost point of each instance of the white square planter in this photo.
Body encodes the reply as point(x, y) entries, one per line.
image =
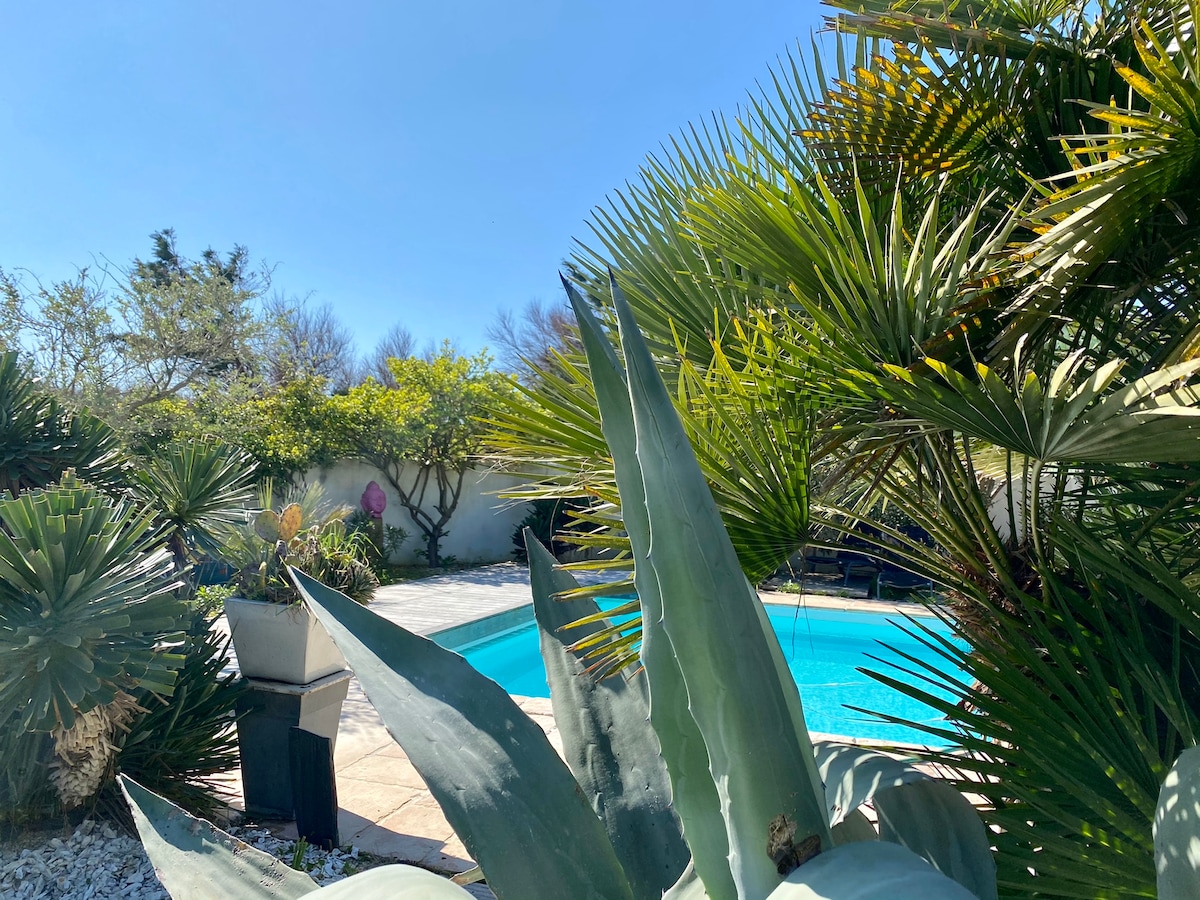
point(280, 642)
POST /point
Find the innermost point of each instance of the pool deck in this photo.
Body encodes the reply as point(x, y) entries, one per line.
point(385, 807)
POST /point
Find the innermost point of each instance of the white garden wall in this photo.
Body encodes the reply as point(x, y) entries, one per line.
point(479, 531)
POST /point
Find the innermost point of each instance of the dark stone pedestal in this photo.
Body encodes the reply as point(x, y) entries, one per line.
point(268, 713)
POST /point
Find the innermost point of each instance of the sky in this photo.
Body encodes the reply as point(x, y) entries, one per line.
point(420, 163)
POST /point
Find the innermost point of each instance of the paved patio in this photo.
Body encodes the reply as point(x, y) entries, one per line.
point(385, 807)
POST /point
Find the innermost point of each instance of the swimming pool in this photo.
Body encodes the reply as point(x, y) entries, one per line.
point(823, 648)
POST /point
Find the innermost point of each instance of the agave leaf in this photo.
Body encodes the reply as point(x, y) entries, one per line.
point(688, 887)
point(392, 883)
point(488, 766)
point(1177, 829)
point(607, 739)
point(927, 816)
point(854, 827)
point(936, 822)
point(683, 556)
point(692, 788)
point(869, 871)
point(853, 775)
point(195, 860)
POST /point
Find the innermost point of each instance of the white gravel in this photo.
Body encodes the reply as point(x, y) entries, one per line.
point(99, 863)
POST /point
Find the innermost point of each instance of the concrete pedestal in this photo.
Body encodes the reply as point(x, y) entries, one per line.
point(268, 712)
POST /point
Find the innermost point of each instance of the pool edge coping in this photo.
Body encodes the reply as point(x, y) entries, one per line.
point(519, 615)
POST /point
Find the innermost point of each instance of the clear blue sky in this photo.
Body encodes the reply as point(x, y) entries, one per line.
point(416, 162)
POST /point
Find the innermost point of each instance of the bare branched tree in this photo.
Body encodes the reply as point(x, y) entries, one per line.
point(308, 341)
point(398, 343)
point(525, 344)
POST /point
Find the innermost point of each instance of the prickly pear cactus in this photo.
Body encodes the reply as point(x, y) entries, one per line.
point(282, 526)
point(289, 521)
point(266, 525)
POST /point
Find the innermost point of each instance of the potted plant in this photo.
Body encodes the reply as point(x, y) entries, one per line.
point(274, 636)
point(297, 676)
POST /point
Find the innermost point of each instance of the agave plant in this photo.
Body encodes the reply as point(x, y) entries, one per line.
point(703, 752)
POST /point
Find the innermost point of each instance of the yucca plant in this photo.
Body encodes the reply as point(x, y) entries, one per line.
point(197, 489)
point(88, 619)
point(180, 743)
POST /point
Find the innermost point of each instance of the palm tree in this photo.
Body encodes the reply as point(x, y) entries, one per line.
point(40, 440)
point(970, 257)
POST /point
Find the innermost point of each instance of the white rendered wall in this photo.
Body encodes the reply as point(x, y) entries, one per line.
point(479, 531)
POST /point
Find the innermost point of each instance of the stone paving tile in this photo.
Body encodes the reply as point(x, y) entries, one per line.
point(362, 797)
point(391, 769)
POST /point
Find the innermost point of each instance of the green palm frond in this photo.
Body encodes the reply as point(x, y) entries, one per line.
point(1142, 173)
point(1017, 29)
point(748, 429)
point(1072, 418)
point(1089, 698)
point(674, 285)
point(919, 114)
point(871, 288)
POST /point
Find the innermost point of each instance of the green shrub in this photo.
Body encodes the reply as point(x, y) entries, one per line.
point(182, 741)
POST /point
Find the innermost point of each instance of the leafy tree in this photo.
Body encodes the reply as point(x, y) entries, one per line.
point(424, 433)
point(293, 429)
point(123, 340)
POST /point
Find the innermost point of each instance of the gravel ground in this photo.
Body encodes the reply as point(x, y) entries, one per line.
point(99, 863)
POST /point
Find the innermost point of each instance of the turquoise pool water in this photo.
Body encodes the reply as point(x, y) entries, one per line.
point(823, 647)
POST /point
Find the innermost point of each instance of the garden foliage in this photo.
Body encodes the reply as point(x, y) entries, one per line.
point(716, 755)
point(962, 247)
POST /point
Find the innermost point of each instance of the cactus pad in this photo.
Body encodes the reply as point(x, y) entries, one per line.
point(266, 525)
point(289, 521)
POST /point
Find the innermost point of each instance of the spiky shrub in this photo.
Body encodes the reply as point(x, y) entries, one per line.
point(88, 619)
point(197, 488)
point(181, 742)
point(39, 440)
